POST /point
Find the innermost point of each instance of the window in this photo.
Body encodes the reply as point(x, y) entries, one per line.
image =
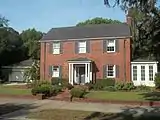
point(151, 73)
point(55, 70)
point(143, 73)
point(110, 71)
point(134, 73)
point(82, 47)
point(56, 48)
point(110, 45)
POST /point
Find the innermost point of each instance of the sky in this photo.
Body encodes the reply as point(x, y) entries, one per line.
point(46, 14)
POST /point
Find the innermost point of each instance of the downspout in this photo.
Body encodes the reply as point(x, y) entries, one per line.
point(44, 60)
point(124, 55)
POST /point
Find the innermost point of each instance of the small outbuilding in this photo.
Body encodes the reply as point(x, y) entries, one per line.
point(15, 72)
point(143, 72)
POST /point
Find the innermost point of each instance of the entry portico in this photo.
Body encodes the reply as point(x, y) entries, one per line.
point(80, 71)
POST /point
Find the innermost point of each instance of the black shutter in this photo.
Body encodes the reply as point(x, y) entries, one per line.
point(60, 71)
point(116, 45)
point(51, 48)
point(117, 71)
point(104, 45)
point(50, 71)
point(88, 46)
point(61, 47)
point(76, 47)
point(104, 71)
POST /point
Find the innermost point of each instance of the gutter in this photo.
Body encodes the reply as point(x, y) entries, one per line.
point(124, 55)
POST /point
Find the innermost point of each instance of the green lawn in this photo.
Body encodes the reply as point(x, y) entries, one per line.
point(128, 96)
point(59, 114)
point(14, 91)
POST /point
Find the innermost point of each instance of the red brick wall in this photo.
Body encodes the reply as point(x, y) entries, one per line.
point(96, 54)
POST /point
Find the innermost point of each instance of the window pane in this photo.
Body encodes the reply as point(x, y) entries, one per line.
point(55, 71)
point(82, 44)
point(134, 73)
point(56, 45)
point(143, 73)
point(151, 73)
point(110, 71)
point(56, 51)
point(82, 50)
point(111, 45)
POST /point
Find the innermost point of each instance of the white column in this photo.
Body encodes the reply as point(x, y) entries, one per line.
point(69, 73)
point(75, 74)
point(88, 72)
point(72, 72)
point(86, 65)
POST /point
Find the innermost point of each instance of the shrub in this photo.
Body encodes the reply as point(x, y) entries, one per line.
point(109, 88)
point(143, 88)
point(77, 92)
point(56, 89)
point(157, 80)
point(69, 86)
point(124, 86)
point(101, 83)
point(55, 81)
point(90, 86)
point(119, 86)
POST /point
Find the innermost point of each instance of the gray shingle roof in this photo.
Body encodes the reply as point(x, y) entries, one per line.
point(88, 31)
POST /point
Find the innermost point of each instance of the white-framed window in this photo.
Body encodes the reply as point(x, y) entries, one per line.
point(55, 71)
point(111, 45)
point(142, 73)
point(56, 48)
point(134, 73)
point(111, 70)
point(82, 47)
point(151, 73)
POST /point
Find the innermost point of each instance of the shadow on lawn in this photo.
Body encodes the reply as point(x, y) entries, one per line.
point(7, 109)
point(136, 113)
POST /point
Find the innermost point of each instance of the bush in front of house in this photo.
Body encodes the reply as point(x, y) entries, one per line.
point(90, 86)
point(69, 86)
point(124, 86)
point(157, 80)
point(109, 88)
point(77, 92)
point(55, 81)
point(102, 83)
point(143, 88)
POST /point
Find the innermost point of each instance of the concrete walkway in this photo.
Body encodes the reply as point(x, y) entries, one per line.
point(35, 105)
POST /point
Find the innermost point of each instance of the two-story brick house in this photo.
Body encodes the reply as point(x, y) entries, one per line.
point(86, 53)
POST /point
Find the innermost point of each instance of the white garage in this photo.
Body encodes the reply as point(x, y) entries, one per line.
point(143, 72)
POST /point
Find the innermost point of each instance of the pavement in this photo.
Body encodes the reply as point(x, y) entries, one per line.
point(27, 106)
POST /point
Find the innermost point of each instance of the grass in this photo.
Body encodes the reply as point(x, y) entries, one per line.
point(8, 90)
point(125, 96)
point(60, 114)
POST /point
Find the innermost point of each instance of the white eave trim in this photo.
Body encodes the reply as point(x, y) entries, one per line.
point(79, 61)
point(149, 62)
point(97, 38)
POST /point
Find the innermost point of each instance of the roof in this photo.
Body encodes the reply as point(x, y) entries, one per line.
point(144, 60)
point(80, 59)
point(88, 31)
point(24, 63)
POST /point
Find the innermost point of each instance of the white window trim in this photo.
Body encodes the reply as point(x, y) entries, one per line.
point(82, 47)
point(56, 48)
point(114, 72)
point(112, 46)
point(152, 72)
point(133, 73)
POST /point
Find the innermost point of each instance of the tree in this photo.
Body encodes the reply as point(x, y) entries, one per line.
point(10, 46)
point(31, 39)
point(142, 5)
point(98, 20)
point(3, 22)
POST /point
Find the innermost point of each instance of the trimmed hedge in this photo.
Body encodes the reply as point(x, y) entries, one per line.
point(77, 92)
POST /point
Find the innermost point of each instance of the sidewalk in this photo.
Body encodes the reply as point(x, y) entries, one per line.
point(96, 107)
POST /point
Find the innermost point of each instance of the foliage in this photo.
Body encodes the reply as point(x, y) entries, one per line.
point(90, 86)
point(56, 89)
point(77, 92)
point(56, 81)
point(157, 80)
point(98, 20)
point(31, 38)
point(109, 88)
point(33, 73)
point(3, 22)
point(101, 83)
point(143, 88)
point(69, 86)
point(124, 86)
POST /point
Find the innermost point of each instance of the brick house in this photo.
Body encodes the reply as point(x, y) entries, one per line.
point(87, 53)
